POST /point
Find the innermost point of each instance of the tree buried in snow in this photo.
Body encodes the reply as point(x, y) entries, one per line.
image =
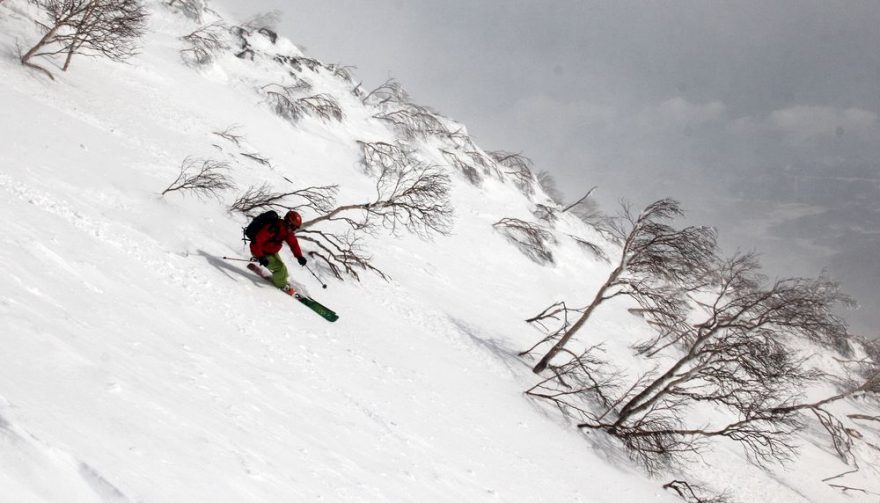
point(102, 28)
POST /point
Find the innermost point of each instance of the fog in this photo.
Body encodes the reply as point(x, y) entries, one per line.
point(761, 117)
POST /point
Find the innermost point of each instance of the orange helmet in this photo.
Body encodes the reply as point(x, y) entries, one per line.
point(293, 219)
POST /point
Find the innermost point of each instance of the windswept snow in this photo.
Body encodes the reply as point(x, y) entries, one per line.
point(138, 366)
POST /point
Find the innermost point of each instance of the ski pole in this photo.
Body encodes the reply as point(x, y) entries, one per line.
point(323, 285)
point(238, 259)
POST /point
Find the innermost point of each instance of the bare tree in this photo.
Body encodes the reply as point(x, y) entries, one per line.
point(519, 167)
point(389, 91)
point(591, 247)
point(470, 172)
point(655, 260)
point(204, 44)
point(548, 184)
point(299, 63)
point(531, 239)
point(231, 135)
point(103, 28)
point(379, 157)
point(322, 106)
point(414, 121)
point(202, 177)
point(193, 9)
point(415, 198)
point(483, 161)
point(284, 101)
point(257, 157)
point(344, 72)
point(693, 493)
point(545, 213)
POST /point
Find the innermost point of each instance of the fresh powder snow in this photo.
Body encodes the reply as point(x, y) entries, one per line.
point(136, 365)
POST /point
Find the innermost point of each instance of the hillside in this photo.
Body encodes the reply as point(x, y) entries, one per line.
point(136, 365)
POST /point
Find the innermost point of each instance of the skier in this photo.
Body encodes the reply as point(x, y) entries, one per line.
point(268, 240)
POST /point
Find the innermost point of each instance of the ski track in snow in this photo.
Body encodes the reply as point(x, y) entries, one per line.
point(50, 473)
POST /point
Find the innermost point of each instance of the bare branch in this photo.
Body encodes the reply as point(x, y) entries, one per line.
point(580, 201)
point(258, 199)
point(548, 185)
point(470, 172)
point(103, 28)
point(204, 178)
point(414, 197)
point(340, 253)
point(691, 493)
point(531, 239)
point(230, 134)
point(593, 248)
point(193, 9)
point(379, 157)
point(204, 44)
point(657, 265)
point(256, 157)
point(285, 103)
point(519, 167)
point(414, 121)
point(389, 91)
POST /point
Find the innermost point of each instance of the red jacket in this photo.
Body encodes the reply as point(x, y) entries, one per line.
point(270, 238)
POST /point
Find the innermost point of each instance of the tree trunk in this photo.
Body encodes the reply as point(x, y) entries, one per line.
point(47, 39)
point(598, 299)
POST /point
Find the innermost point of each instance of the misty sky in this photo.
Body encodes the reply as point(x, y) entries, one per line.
point(761, 117)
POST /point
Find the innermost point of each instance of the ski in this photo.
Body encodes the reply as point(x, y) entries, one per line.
point(321, 310)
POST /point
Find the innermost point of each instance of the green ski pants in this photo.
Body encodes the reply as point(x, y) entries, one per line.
point(278, 269)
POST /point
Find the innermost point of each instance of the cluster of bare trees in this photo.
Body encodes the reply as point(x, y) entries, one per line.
point(100, 28)
point(723, 334)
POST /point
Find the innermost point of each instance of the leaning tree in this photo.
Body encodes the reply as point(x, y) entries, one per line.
point(656, 265)
point(100, 28)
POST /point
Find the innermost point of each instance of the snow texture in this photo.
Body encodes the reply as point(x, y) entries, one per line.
point(138, 366)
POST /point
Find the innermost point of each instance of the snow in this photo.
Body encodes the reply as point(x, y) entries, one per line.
point(138, 366)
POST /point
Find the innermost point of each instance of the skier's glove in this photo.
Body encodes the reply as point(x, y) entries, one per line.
point(263, 261)
point(301, 260)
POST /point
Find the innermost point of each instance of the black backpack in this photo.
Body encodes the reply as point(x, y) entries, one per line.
point(261, 220)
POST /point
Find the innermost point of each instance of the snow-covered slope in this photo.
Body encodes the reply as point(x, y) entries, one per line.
point(137, 365)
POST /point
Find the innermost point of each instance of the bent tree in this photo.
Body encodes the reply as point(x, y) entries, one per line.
point(657, 263)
